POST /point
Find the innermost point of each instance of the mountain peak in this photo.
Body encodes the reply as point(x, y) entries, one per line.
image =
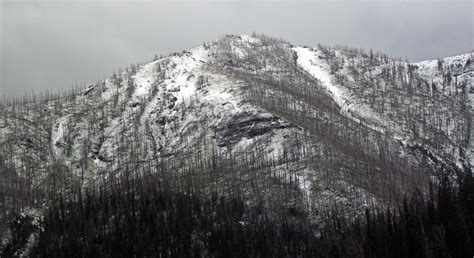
point(337, 124)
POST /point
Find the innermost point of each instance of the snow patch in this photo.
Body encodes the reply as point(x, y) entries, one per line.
point(311, 63)
point(57, 134)
point(250, 39)
point(144, 79)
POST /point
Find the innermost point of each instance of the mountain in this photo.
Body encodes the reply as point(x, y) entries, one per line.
point(249, 114)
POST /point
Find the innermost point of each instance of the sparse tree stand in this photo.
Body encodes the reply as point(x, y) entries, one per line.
point(117, 172)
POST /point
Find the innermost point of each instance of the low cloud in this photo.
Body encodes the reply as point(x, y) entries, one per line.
point(55, 45)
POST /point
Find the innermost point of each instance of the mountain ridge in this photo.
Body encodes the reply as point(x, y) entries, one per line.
point(347, 126)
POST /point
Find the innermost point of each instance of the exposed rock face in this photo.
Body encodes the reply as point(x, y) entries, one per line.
point(248, 126)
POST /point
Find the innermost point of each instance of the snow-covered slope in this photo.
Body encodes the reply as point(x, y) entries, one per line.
point(309, 60)
point(344, 126)
point(438, 95)
point(458, 73)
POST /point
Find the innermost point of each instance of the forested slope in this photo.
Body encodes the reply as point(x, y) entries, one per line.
point(278, 126)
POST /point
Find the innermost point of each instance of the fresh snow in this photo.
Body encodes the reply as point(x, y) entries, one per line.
point(184, 75)
point(311, 63)
point(144, 79)
point(58, 133)
point(429, 70)
point(250, 39)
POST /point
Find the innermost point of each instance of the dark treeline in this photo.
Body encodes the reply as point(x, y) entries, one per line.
point(140, 218)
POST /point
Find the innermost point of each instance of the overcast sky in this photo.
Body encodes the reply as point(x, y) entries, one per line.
point(55, 45)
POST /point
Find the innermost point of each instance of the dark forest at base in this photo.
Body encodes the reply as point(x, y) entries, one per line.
point(136, 218)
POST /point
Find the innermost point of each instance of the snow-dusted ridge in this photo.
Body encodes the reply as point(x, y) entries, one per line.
point(459, 67)
point(200, 102)
point(309, 60)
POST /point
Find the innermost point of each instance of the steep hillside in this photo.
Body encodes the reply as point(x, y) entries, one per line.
point(451, 76)
point(337, 125)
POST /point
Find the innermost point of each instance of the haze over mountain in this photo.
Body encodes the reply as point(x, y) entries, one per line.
point(57, 44)
point(249, 116)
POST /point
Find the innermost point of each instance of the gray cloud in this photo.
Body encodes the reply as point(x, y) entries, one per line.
point(57, 44)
